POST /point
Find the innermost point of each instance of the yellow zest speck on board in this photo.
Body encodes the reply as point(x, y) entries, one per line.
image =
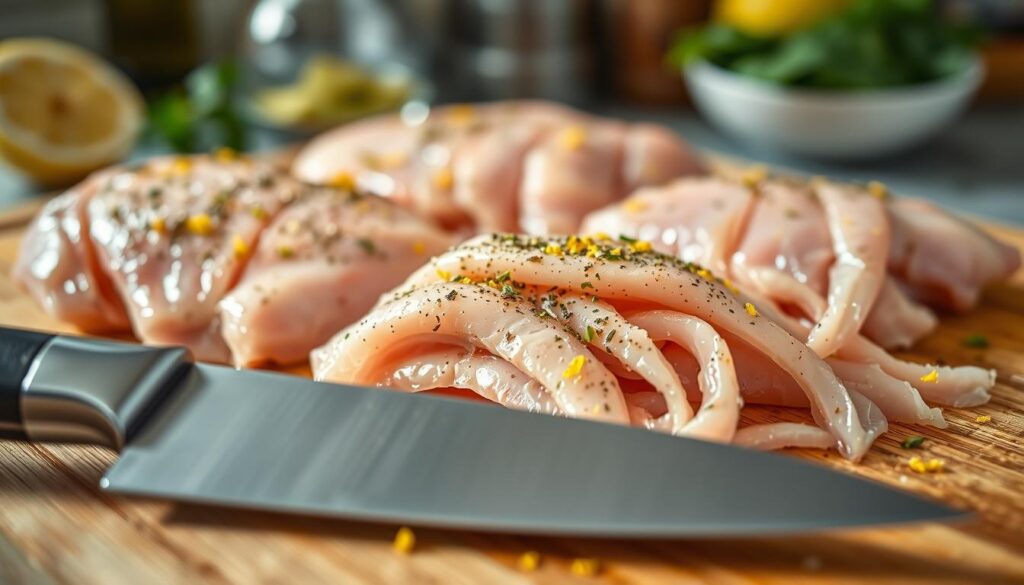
point(343, 180)
point(575, 367)
point(419, 248)
point(634, 205)
point(225, 154)
point(443, 179)
point(573, 137)
point(932, 376)
point(982, 419)
point(239, 246)
point(553, 250)
point(405, 541)
point(918, 465)
point(158, 225)
point(642, 246)
point(200, 224)
point(585, 567)
point(753, 176)
point(443, 274)
point(878, 190)
point(529, 561)
point(751, 309)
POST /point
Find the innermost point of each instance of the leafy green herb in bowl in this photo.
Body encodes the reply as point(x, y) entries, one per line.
point(873, 78)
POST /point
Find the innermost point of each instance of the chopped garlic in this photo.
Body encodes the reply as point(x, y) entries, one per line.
point(575, 367)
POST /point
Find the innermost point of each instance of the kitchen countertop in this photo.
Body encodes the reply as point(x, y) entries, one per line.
point(976, 166)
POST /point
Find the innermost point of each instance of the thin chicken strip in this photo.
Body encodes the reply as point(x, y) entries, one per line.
point(720, 410)
point(614, 272)
point(506, 326)
point(896, 321)
point(899, 400)
point(782, 435)
point(488, 376)
point(860, 240)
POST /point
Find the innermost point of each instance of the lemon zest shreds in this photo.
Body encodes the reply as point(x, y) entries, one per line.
point(878, 190)
point(932, 376)
point(443, 274)
point(158, 225)
point(405, 540)
point(750, 309)
point(239, 246)
point(575, 367)
point(462, 113)
point(553, 249)
point(419, 248)
point(634, 205)
point(529, 561)
point(642, 246)
point(982, 419)
point(601, 236)
point(585, 567)
point(180, 166)
point(343, 180)
point(443, 179)
point(573, 137)
point(919, 465)
point(200, 224)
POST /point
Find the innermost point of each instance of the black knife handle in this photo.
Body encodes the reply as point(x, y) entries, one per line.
point(18, 347)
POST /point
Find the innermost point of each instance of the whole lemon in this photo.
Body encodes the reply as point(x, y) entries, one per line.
point(773, 18)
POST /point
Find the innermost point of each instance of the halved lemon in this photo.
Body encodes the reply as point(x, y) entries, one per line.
point(772, 18)
point(63, 111)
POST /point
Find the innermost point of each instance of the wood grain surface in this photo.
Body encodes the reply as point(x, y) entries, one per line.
point(57, 527)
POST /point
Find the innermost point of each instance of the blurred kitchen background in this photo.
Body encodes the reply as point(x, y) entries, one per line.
point(262, 81)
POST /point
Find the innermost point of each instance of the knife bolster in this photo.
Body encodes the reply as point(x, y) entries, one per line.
point(97, 392)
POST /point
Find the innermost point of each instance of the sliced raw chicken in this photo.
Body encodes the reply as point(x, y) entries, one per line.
point(944, 260)
point(533, 166)
point(584, 278)
point(159, 249)
point(320, 265)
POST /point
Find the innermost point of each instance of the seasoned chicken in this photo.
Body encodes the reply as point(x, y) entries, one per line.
point(590, 321)
point(848, 260)
point(157, 248)
point(515, 166)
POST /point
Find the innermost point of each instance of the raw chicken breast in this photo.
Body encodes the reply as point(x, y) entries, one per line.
point(551, 308)
point(159, 248)
point(518, 166)
point(320, 265)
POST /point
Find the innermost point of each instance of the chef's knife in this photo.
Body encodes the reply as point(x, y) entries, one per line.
point(202, 433)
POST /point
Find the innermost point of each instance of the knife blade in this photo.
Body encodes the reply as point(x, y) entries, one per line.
point(247, 439)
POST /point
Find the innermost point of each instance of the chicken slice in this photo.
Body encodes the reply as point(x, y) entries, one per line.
point(488, 376)
point(57, 264)
point(654, 156)
point(173, 236)
point(896, 398)
point(897, 322)
point(573, 171)
point(720, 409)
point(483, 318)
point(697, 219)
point(649, 277)
point(944, 260)
point(319, 266)
point(860, 241)
point(782, 435)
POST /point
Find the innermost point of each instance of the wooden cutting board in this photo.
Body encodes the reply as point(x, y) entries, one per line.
point(57, 527)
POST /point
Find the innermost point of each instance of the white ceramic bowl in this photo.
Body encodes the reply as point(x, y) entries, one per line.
point(844, 125)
